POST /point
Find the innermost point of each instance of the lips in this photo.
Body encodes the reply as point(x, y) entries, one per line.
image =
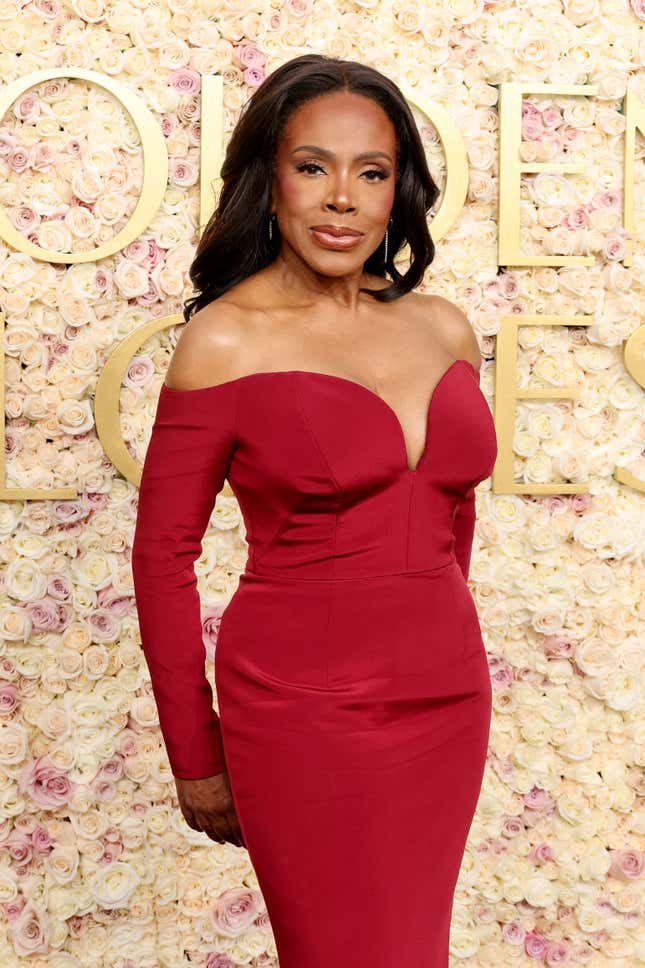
point(338, 231)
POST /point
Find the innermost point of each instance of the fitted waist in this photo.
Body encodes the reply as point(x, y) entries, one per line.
point(283, 633)
point(250, 574)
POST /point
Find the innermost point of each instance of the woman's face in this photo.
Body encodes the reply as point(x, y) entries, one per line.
point(320, 180)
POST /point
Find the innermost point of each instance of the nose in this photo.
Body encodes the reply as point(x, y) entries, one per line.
point(340, 197)
point(339, 207)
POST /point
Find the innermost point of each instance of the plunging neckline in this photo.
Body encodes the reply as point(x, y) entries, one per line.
point(410, 471)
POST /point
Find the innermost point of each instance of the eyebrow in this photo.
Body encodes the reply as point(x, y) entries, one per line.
point(330, 154)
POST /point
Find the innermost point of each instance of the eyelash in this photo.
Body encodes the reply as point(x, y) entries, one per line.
point(372, 171)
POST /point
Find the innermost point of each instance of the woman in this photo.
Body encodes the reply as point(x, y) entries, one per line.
point(352, 683)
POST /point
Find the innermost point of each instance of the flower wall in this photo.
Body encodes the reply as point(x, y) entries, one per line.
point(97, 865)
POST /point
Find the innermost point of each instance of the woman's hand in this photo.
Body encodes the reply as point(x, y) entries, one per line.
point(207, 805)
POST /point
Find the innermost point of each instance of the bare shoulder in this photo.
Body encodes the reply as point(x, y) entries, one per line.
point(452, 326)
point(210, 348)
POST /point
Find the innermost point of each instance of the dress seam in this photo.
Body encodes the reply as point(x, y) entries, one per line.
point(311, 433)
point(250, 534)
point(388, 574)
point(407, 527)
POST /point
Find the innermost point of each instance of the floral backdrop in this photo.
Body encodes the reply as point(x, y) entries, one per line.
point(97, 866)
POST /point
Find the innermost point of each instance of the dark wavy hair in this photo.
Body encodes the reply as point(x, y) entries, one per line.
point(235, 242)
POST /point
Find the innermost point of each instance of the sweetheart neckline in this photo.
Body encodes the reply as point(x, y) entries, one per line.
point(411, 471)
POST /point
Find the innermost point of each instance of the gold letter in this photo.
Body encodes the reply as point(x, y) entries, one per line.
point(506, 395)
point(510, 168)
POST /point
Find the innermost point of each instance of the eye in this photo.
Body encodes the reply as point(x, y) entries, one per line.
point(306, 165)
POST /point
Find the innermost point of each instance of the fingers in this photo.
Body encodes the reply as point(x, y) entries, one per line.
point(235, 828)
point(222, 828)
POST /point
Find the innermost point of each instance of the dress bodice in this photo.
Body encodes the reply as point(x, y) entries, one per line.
point(319, 466)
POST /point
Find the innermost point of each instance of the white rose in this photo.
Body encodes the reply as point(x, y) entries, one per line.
point(74, 416)
point(93, 568)
point(76, 639)
point(24, 579)
point(131, 279)
point(84, 709)
point(112, 886)
point(168, 280)
point(53, 721)
point(13, 743)
point(577, 745)
point(624, 691)
point(590, 916)
point(539, 891)
point(61, 863)
point(595, 658)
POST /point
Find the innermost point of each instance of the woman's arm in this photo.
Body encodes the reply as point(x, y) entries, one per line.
point(192, 442)
point(463, 530)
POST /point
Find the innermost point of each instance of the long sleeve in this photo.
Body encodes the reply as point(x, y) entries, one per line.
point(464, 529)
point(188, 457)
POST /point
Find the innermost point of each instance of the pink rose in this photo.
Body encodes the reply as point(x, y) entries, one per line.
point(541, 853)
point(235, 911)
point(215, 961)
point(626, 865)
point(557, 953)
point(103, 626)
point(111, 769)
point(41, 839)
point(44, 615)
point(185, 80)
point(43, 157)
point(96, 501)
point(502, 678)
point(139, 372)
point(638, 6)
point(27, 106)
point(537, 799)
point(66, 513)
point(19, 160)
point(9, 699)
point(127, 743)
point(20, 849)
point(532, 128)
point(614, 248)
point(111, 853)
point(44, 784)
point(211, 619)
point(551, 117)
point(103, 281)
point(30, 932)
point(254, 77)
point(299, 7)
point(136, 250)
point(59, 586)
point(578, 218)
point(580, 502)
point(512, 827)
point(13, 908)
point(558, 646)
point(513, 933)
point(535, 945)
point(609, 200)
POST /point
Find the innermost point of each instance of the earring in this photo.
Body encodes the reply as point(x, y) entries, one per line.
point(386, 231)
point(271, 218)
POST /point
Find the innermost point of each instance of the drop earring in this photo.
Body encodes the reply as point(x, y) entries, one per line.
point(271, 218)
point(386, 231)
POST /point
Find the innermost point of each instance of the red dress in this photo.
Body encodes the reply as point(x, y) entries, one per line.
point(351, 676)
